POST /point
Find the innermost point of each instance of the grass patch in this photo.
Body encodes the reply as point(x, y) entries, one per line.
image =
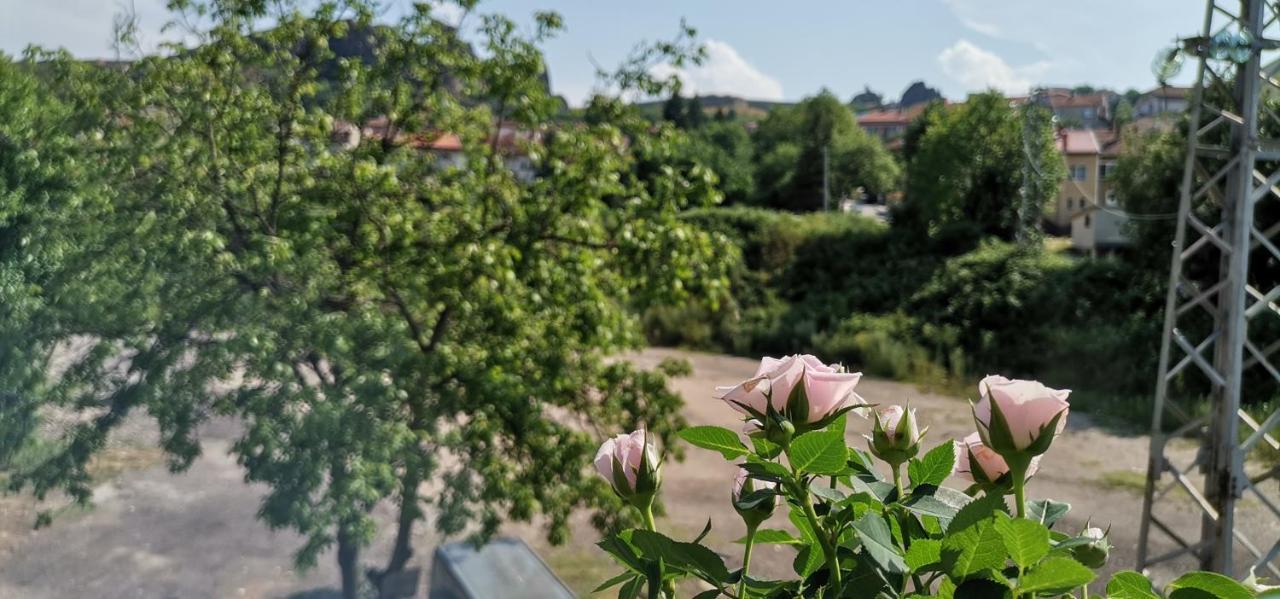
point(115, 461)
point(582, 569)
point(1126, 480)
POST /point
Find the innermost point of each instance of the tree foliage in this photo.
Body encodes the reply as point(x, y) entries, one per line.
point(789, 155)
point(372, 316)
point(967, 167)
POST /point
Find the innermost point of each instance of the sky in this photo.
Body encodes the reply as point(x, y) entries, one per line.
point(776, 50)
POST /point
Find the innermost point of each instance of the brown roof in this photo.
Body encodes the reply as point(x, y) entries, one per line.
point(1169, 91)
point(1078, 100)
point(894, 116)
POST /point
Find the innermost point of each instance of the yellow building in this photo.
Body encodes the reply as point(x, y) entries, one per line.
point(1090, 156)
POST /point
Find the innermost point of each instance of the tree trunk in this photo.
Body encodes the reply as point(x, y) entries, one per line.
point(348, 562)
point(410, 511)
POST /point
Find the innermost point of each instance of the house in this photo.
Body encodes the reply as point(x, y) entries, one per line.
point(890, 124)
point(1099, 229)
point(1077, 110)
point(508, 141)
point(1086, 202)
point(1166, 99)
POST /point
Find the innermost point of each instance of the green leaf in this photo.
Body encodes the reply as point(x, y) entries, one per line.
point(808, 560)
point(976, 511)
point(1055, 575)
point(981, 588)
point(934, 467)
point(764, 447)
point(1026, 541)
point(615, 580)
point(686, 555)
point(619, 548)
point(1047, 511)
point(631, 590)
point(923, 552)
point(818, 452)
point(767, 471)
point(973, 549)
point(825, 491)
point(715, 438)
point(1130, 585)
point(1198, 585)
point(771, 536)
point(943, 504)
point(708, 594)
point(877, 540)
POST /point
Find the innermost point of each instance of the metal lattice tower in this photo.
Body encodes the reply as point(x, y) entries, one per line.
point(1222, 281)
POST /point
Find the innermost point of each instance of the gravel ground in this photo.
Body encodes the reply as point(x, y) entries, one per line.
point(152, 534)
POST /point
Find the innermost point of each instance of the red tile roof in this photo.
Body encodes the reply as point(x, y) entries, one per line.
point(1078, 100)
point(893, 116)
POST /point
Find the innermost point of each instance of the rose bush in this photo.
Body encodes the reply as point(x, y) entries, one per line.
point(857, 534)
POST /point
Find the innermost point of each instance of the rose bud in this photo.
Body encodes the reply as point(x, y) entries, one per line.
point(630, 463)
point(1017, 416)
point(895, 435)
point(981, 464)
point(753, 499)
point(1094, 554)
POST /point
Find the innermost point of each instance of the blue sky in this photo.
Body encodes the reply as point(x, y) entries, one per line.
point(781, 50)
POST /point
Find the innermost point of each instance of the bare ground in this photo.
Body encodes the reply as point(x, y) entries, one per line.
point(156, 534)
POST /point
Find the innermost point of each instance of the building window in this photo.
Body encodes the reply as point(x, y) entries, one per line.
point(1088, 113)
point(1086, 221)
point(1079, 173)
point(1106, 170)
point(1071, 203)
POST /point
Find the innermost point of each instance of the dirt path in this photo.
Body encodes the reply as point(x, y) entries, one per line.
point(153, 534)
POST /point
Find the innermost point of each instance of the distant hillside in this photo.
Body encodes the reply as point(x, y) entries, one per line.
point(746, 109)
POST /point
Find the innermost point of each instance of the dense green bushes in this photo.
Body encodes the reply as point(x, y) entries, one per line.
point(896, 306)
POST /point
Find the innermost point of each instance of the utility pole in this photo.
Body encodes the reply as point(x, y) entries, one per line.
point(1213, 295)
point(826, 178)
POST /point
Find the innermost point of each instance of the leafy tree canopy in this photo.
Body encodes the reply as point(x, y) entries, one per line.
point(967, 167)
point(789, 155)
point(374, 316)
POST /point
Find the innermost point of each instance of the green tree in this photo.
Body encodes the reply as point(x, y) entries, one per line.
point(789, 159)
point(725, 148)
point(673, 110)
point(695, 115)
point(968, 168)
point(1123, 114)
point(391, 319)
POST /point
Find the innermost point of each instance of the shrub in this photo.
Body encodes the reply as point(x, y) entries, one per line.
point(860, 533)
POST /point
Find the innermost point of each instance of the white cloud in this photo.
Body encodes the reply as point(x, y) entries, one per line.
point(978, 69)
point(724, 72)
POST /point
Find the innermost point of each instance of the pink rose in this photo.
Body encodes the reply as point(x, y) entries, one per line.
point(990, 466)
point(830, 391)
point(753, 393)
point(629, 452)
point(826, 387)
point(1028, 407)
